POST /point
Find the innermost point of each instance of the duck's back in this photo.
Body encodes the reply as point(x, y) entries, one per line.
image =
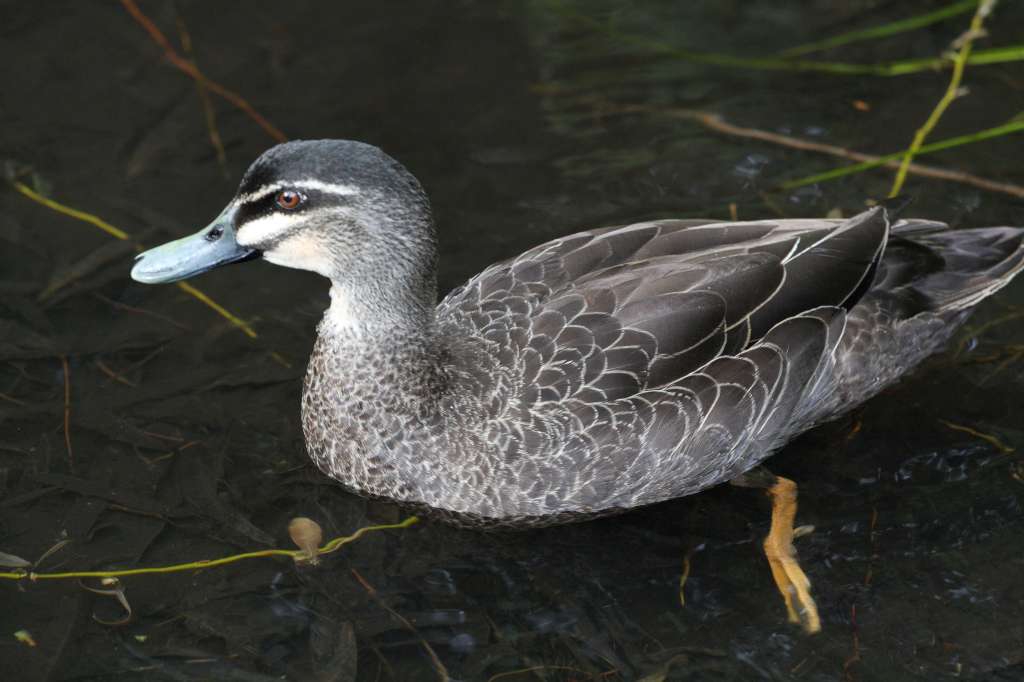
point(628, 365)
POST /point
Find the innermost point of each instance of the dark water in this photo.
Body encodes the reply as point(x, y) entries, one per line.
point(517, 118)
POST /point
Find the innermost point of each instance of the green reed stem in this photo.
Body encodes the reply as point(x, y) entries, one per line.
point(1014, 126)
point(890, 29)
point(975, 30)
point(1009, 53)
point(331, 546)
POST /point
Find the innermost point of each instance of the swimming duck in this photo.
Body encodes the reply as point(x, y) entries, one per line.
point(602, 371)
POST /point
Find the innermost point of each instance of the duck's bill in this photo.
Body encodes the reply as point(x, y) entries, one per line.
point(210, 248)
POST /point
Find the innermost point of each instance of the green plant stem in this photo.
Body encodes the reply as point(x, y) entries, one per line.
point(952, 91)
point(892, 28)
point(1005, 129)
point(331, 546)
point(1008, 53)
point(118, 233)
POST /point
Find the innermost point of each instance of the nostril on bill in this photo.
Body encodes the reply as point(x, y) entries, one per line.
point(214, 234)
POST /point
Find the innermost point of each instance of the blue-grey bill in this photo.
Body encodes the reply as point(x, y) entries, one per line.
point(211, 247)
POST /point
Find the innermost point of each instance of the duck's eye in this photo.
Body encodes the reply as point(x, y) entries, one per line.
point(288, 199)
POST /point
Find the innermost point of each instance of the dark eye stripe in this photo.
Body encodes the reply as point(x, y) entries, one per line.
point(267, 204)
point(257, 208)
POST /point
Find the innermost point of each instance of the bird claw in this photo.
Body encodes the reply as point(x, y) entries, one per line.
point(790, 579)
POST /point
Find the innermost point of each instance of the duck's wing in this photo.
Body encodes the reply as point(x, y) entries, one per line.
point(605, 314)
point(634, 364)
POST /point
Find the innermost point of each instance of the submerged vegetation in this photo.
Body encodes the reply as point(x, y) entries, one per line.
point(961, 54)
point(140, 433)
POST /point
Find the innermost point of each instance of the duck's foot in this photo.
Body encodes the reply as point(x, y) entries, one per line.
point(778, 548)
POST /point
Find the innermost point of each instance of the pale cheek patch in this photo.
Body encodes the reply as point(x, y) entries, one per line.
point(267, 228)
point(302, 252)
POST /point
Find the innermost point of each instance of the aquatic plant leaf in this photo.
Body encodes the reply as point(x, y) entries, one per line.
point(25, 637)
point(12, 561)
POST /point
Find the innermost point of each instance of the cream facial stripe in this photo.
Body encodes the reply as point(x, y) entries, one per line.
point(274, 225)
point(317, 185)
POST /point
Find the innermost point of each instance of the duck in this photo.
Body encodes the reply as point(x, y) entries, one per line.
point(596, 373)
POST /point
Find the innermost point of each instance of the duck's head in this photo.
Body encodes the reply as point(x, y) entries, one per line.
point(343, 209)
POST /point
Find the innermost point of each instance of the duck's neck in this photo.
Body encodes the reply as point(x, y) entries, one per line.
point(381, 341)
point(377, 368)
point(368, 311)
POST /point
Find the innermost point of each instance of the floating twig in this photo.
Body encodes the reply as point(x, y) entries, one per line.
point(966, 42)
point(68, 211)
point(715, 122)
point(891, 161)
point(218, 308)
point(974, 332)
point(854, 657)
point(67, 411)
point(442, 671)
point(538, 668)
point(209, 114)
point(683, 578)
point(146, 358)
point(295, 554)
point(12, 399)
point(164, 436)
point(988, 438)
point(189, 68)
point(140, 311)
point(869, 572)
point(102, 366)
point(1014, 353)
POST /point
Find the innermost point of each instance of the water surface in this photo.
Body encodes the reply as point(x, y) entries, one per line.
point(524, 121)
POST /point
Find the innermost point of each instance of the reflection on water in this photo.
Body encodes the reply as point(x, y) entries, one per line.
point(523, 122)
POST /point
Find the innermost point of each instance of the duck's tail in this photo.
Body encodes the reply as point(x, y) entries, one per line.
point(966, 266)
point(925, 287)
